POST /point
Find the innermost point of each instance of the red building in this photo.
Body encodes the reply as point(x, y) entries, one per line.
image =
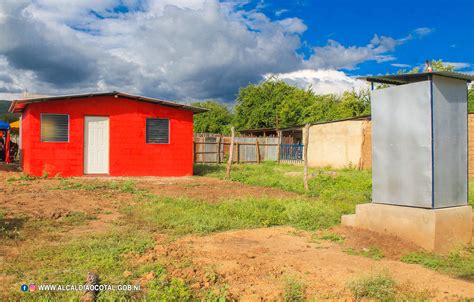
point(111, 133)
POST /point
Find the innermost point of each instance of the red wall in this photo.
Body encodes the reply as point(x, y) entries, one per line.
point(129, 154)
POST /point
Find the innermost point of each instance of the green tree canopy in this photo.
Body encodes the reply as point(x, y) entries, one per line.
point(257, 105)
point(217, 120)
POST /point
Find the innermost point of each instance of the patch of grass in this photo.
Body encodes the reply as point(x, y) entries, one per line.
point(23, 177)
point(459, 263)
point(370, 252)
point(69, 262)
point(68, 184)
point(162, 289)
point(294, 289)
point(380, 287)
point(344, 188)
point(332, 237)
point(78, 218)
point(182, 216)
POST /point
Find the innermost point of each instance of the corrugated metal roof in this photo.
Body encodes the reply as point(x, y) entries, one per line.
point(406, 78)
point(298, 127)
point(18, 105)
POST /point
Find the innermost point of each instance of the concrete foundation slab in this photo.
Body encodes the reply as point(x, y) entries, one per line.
point(439, 230)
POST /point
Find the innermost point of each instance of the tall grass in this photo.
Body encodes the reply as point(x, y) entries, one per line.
point(182, 216)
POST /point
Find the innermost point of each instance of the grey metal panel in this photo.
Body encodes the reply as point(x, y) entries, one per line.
point(450, 142)
point(401, 145)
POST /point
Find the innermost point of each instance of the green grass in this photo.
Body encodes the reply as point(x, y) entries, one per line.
point(70, 261)
point(77, 218)
point(379, 287)
point(342, 189)
point(372, 252)
point(181, 216)
point(294, 289)
point(68, 184)
point(471, 193)
point(332, 237)
point(459, 263)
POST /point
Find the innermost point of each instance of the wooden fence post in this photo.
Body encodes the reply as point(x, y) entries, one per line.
point(194, 151)
point(231, 153)
point(238, 152)
point(305, 157)
point(257, 150)
point(279, 146)
point(219, 149)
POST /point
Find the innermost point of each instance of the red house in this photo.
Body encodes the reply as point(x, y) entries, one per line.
point(112, 133)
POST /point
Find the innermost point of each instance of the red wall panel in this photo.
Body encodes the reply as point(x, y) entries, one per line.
point(129, 154)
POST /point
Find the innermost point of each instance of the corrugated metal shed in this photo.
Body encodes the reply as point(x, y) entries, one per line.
point(401, 79)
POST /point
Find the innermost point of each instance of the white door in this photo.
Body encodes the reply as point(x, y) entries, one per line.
point(96, 145)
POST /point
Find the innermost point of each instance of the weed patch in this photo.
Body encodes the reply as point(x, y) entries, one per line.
point(332, 237)
point(370, 252)
point(294, 289)
point(380, 287)
point(459, 263)
point(77, 218)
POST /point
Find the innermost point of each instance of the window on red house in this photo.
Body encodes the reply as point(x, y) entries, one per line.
point(54, 127)
point(157, 131)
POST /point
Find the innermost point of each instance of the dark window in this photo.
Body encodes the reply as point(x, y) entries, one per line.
point(157, 131)
point(54, 127)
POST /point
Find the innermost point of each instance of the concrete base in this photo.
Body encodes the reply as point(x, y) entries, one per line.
point(439, 230)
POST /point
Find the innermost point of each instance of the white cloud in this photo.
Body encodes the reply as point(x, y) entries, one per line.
point(458, 65)
point(171, 49)
point(337, 56)
point(280, 12)
point(400, 65)
point(322, 81)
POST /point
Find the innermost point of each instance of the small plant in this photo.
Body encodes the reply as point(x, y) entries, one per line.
point(332, 237)
point(78, 218)
point(162, 289)
point(380, 287)
point(294, 289)
point(371, 252)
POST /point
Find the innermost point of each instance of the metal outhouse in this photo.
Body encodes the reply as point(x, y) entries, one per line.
point(420, 139)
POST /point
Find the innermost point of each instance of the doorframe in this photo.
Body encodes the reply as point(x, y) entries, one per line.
point(84, 145)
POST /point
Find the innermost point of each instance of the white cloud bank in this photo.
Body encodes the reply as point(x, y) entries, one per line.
point(322, 81)
point(178, 50)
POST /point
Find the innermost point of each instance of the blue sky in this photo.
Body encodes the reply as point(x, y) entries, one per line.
point(355, 22)
point(188, 50)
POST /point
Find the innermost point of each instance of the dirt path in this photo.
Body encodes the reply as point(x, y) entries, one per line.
point(255, 262)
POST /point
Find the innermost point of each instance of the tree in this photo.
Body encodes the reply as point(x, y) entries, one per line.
point(258, 105)
point(217, 120)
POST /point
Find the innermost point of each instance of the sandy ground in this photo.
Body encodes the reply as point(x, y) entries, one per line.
point(253, 263)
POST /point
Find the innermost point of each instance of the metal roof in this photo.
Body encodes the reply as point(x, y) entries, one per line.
point(406, 78)
point(298, 127)
point(18, 105)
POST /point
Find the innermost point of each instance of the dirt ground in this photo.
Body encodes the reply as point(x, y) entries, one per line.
point(253, 263)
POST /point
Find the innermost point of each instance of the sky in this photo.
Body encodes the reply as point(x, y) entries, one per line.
point(190, 50)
